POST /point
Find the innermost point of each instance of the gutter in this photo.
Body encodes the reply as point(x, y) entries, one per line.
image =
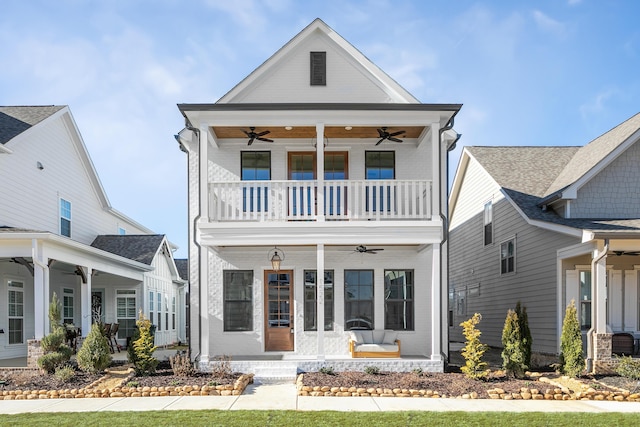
point(443, 217)
point(185, 149)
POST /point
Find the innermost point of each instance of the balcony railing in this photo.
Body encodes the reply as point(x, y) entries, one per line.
point(298, 200)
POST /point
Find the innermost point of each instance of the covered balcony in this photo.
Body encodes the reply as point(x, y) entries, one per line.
point(350, 200)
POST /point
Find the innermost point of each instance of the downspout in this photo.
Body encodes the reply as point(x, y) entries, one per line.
point(594, 293)
point(185, 149)
point(443, 217)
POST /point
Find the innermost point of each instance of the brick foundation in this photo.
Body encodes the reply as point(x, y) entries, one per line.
point(34, 351)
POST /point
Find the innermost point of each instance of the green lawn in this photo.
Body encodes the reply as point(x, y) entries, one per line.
point(323, 418)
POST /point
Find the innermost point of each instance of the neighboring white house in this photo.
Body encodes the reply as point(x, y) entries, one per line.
point(321, 159)
point(544, 226)
point(58, 233)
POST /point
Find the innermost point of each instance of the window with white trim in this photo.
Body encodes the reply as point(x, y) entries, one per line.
point(65, 218)
point(488, 223)
point(398, 300)
point(16, 311)
point(238, 300)
point(310, 300)
point(152, 299)
point(173, 312)
point(126, 312)
point(508, 256)
point(159, 315)
point(67, 305)
point(585, 299)
point(166, 312)
point(358, 299)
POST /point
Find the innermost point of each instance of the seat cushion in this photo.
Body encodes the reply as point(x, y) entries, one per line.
point(378, 336)
point(367, 336)
point(356, 337)
point(390, 337)
point(376, 348)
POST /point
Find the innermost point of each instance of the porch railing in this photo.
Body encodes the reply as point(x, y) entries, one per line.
point(298, 200)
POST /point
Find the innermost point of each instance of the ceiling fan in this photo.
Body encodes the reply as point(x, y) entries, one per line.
point(363, 250)
point(391, 136)
point(253, 135)
point(620, 253)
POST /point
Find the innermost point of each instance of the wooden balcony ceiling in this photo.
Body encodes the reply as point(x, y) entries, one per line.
point(279, 132)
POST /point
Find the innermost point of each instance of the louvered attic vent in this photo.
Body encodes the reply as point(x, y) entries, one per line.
point(318, 68)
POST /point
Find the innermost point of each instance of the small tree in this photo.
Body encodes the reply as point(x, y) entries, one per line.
point(525, 333)
point(141, 354)
point(94, 355)
point(473, 350)
point(512, 351)
point(571, 357)
point(56, 352)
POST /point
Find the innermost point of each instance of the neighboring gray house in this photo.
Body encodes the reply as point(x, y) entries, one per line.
point(544, 226)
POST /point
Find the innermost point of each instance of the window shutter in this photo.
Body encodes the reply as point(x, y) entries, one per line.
point(318, 69)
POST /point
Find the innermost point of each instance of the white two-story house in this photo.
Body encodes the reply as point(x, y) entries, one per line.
point(59, 233)
point(317, 161)
point(546, 226)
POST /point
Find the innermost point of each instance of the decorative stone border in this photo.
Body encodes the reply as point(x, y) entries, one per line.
point(91, 392)
point(555, 393)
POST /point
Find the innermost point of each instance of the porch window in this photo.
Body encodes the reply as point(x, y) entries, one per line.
point(65, 218)
point(335, 168)
point(152, 299)
point(585, 300)
point(16, 312)
point(302, 167)
point(358, 299)
point(508, 256)
point(255, 166)
point(67, 305)
point(398, 300)
point(488, 223)
point(173, 313)
point(166, 312)
point(311, 297)
point(159, 313)
point(126, 312)
point(379, 165)
point(238, 300)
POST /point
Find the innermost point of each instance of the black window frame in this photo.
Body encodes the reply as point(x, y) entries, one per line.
point(359, 321)
point(246, 303)
point(407, 301)
point(508, 261)
point(310, 304)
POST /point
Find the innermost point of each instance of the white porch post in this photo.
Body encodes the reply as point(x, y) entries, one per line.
point(320, 300)
point(320, 177)
point(435, 167)
point(600, 297)
point(85, 302)
point(40, 291)
point(436, 315)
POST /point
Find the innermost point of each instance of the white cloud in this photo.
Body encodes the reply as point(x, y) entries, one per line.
point(597, 104)
point(547, 24)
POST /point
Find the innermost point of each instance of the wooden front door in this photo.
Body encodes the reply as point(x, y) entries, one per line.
point(278, 296)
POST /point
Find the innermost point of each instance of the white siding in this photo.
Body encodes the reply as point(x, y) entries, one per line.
point(288, 81)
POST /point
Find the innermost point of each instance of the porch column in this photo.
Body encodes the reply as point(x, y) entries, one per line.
point(320, 300)
point(436, 315)
point(320, 177)
point(436, 180)
point(602, 338)
point(85, 302)
point(40, 291)
point(203, 313)
point(204, 306)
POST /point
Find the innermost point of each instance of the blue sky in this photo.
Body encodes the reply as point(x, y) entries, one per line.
point(548, 72)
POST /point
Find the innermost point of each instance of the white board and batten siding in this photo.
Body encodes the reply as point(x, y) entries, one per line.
point(159, 281)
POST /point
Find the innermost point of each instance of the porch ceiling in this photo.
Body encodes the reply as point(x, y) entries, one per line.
point(281, 132)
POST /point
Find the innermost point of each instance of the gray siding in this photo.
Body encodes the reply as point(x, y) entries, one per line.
point(613, 193)
point(533, 283)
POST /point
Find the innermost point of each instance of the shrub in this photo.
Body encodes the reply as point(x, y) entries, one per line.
point(221, 367)
point(473, 350)
point(628, 367)
point(372, 370)
point(512, 351)
point(571, 357)
point(525, 333)
point(94, 355)
point(56, 352)
point(141, 354)
point(181, 365)
point(64, 373)
point(327, 370)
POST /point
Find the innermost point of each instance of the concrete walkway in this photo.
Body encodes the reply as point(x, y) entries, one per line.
point(284, 397)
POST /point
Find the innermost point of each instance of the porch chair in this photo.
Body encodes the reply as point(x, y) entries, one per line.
point(112, 337)
point(622, 344)
point(107, 333)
